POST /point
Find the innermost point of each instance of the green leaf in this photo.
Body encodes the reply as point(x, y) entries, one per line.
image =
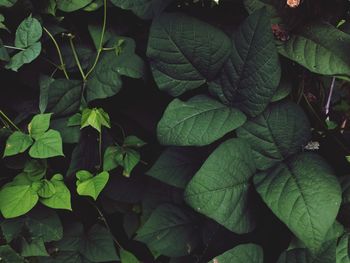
point(72, 5)
point(35, 247)
point(4, 55)
point(145, 9)
point(283, 90)
point(8, 255)
point(185, 52)
point(175, 166)
point(199, 121)
point(18, 142)
point(98, 245)
point(133, 141)
point(47, 190)
point(7, 3)
point(47, 145)
point(17, 200)
point(69, 134)
point(251, 76)
point(44, 83)
point(342, 251)
point(131, 159)
point(64, 97)
point(247, 253)
point(61, 199)
point(39, 125)
point(169, 225)
point(35, 169)
point(105, 80)
point(112, 157)
point(91, 186)
point(279, 132)
point(304, 194)
point(74, 120)
point(96, 118)
point(24, 57)
point(127, 257)
point(321, 48)
point(220, 188)
point(28, 32)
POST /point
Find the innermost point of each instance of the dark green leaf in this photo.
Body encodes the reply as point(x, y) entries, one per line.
point(247, 253)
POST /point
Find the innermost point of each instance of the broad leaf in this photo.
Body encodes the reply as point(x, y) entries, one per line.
point(199, 121)
point(112, 157)
point(7, 3)
point(47, 145)
point(91, 186)
point(35, 247)
point(47, 190)
point(72, 5)
point(251, 75)
point(28, 32)
point(39, 125)
point(321, 48)
point(169, 225)
point(96, 118)
point(8, 255)
point(18, 142)
point(342, 251)
point(185, 52)
point(279, 132)
point(220, 188)
point(17, 200)
point(24, 57)
point(304, 194)
point(247, 253)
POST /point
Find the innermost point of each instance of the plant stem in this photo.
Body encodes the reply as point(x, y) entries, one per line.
point(62, 66)
point(329, 97)
point(12, 47)
point(7, 119)
point(100, 48)
point(76, 58)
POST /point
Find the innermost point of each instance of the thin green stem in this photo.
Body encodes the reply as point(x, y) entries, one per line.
point(76, 58)
point(7, 119)
point(4, 123)
point(12, 47)
point(100, 48)
point(62, 66)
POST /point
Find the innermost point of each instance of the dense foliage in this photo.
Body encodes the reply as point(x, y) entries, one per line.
point(175, 131)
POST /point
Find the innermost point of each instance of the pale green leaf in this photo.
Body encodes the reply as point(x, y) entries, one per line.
point(127, 257)
point(24, 57)
point(92, 186)
point(131, 159)
point(39, 125)
point(28, 32)
point(18, 142)
point(96, 118)
point(47, 145)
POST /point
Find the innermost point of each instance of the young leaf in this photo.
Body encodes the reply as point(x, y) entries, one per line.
point(220, 188)
point(185, 52)
point(47, 190)
point(251, 76)
point(24, 57)
point(18, 142)
point(304, 194)
point(131, 159)
point(39, 125)
point(247, 253)
point(169, 225)
point(17, 200)
point(133, 141)
point(28, 32)
point(91, 186)
point(61, 199)
point(95, 118)
point(113, 157)
point(199, 121)
point(47, 145)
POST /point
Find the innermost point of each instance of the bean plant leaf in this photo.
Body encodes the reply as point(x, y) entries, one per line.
point(72, 5)
point(39, 125)
point(36, 247)
point(24, 57)
point(47, 190)
point(279, 132)
point(169, 225)
point(220, 188)
point(44, 83)
point(18, 142)
point(342, 251)
point(28, 32)
point(197, 122)
point(8, 255)
point(128, 257)
point(113, 157)
point(4, 55)
point(251, 76)
point(47, 145)
point(247, 253)
point(95, 118)
point(185, 52)
point(17, 200)
point(319, 47)
point(304, 194)
point(7, 3)
point(91, 186)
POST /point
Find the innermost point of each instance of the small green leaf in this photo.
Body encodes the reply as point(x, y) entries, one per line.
point(247, 253)
point(39, 125)
point(47, 190)
point(7, 3)
point(127, 257)
point(17, 200)
point(72, 5)
point(133, 141)
point(74, 120)
point(112, 157)
point(91, 186)
point(95, 118)
point(35, 247)
point(47, 145)
point(18, 142)
point(131, 159)
point(4, 55)
point(24, 57)
point(28, 33)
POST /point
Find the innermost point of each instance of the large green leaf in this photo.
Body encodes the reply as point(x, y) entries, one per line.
point(185, 52)
point(321, 48)
point(28, 32)
point(47, 145)
point(18, 142)
point(64, 97)
point(17, 200)
point(145, 9)
point(248, 253)
point(219, 189)
point(169, 231)
point(72, 5)
point(199, 121)
point(304, 194)
point(280, 131)
point(24, 57)
point(251, 75)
